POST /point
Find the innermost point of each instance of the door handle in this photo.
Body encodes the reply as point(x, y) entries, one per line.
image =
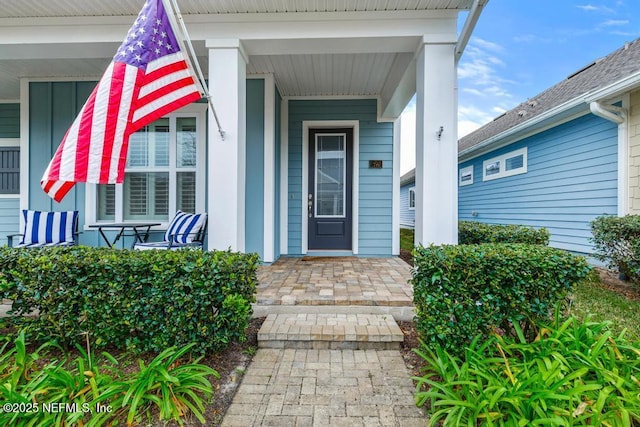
point(310, 205)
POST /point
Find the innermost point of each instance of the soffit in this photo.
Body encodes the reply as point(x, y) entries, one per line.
point(326, 75)
point(65, 8)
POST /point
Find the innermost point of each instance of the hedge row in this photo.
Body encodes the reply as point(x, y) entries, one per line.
point(473, 233)
point(616, 241)
point(465, 290)
point(138, 300)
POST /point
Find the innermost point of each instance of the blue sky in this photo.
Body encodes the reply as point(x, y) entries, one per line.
point(520, 48)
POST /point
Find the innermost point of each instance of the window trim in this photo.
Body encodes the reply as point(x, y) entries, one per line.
point(464, 171)
point(193, 110)
point(502, 160)
point(343, 155)
point(411, 190)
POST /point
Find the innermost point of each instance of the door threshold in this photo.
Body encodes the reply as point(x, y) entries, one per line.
point(328, 253)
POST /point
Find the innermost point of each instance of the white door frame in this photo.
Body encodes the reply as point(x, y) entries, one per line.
point(328, 124)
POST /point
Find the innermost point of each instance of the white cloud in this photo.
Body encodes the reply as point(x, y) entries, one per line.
point(499, 110)
point(532, 38)
point(484, 91)
point(614, 23)
point(633, 34)
point(471, 117)
point(465, 127)
point(485, 44)
point(474, 92)
point(587, 7)
point(593, 8)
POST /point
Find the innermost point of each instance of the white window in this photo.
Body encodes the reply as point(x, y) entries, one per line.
point(164, 172)
point(509, 164)
point(412, 198)
point(466, 176)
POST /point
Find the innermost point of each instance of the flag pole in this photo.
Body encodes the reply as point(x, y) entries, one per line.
point(192, 52)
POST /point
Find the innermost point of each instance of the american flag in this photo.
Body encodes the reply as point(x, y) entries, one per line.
point(148, 78)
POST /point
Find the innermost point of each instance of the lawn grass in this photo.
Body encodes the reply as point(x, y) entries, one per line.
point(406, 239)
point(592, 298)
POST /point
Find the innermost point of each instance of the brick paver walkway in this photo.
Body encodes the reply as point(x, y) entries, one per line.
point(306, 381)
point(335, 281)
point(325, 388)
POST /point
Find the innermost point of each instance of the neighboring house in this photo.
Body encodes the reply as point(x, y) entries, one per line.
point(558, 160)
point(561, 158)
point(307, 92)
point(408, 199)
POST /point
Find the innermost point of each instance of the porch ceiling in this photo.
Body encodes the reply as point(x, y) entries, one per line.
point(63, 8)
point(312, 47)
point(328, 75)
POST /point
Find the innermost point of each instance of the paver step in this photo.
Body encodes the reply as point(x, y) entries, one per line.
point(330, 331)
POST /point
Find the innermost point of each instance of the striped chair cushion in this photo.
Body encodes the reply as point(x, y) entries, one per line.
point(185, 227)
point(48, 228)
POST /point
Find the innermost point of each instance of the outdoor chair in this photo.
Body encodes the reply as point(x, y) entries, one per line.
point(186, 230)
point(47, 229)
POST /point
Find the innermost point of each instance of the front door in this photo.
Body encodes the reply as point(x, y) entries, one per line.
point(330, 180)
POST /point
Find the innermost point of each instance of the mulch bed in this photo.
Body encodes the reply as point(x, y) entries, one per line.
point(230, 364)
point(406, 256)
point(610, 280)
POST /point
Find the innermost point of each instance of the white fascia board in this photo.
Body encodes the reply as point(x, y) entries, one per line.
point(436, 24)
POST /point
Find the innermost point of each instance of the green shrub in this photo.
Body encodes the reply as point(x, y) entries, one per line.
point(616, 241)
point(474, 233)
point(138, 300)
point(91, 393)
point(460, 291)
point(573, 374)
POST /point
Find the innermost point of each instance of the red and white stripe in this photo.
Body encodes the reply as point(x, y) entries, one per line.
point(127, 98)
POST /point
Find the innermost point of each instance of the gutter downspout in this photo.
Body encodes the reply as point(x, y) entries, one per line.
point(469, 25)
point(609, 112)
point(619, 116)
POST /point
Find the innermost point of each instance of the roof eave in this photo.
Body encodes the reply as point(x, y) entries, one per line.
point(523, 127)
point(613, 90)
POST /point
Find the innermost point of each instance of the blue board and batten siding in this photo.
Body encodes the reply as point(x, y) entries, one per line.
point(9, 218)
point(571, 178)
point(254, 186)
point(375, 185)
point(255, 169)
point(10, 120)
point(407, 213)
point(52, 108)
point(9, 205)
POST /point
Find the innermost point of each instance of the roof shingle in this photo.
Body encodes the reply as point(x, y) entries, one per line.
point(599, 74)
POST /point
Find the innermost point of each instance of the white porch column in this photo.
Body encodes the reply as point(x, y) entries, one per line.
point(436, 150)
point(227, 158)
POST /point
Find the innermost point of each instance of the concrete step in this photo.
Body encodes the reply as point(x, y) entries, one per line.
point(330, 331)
